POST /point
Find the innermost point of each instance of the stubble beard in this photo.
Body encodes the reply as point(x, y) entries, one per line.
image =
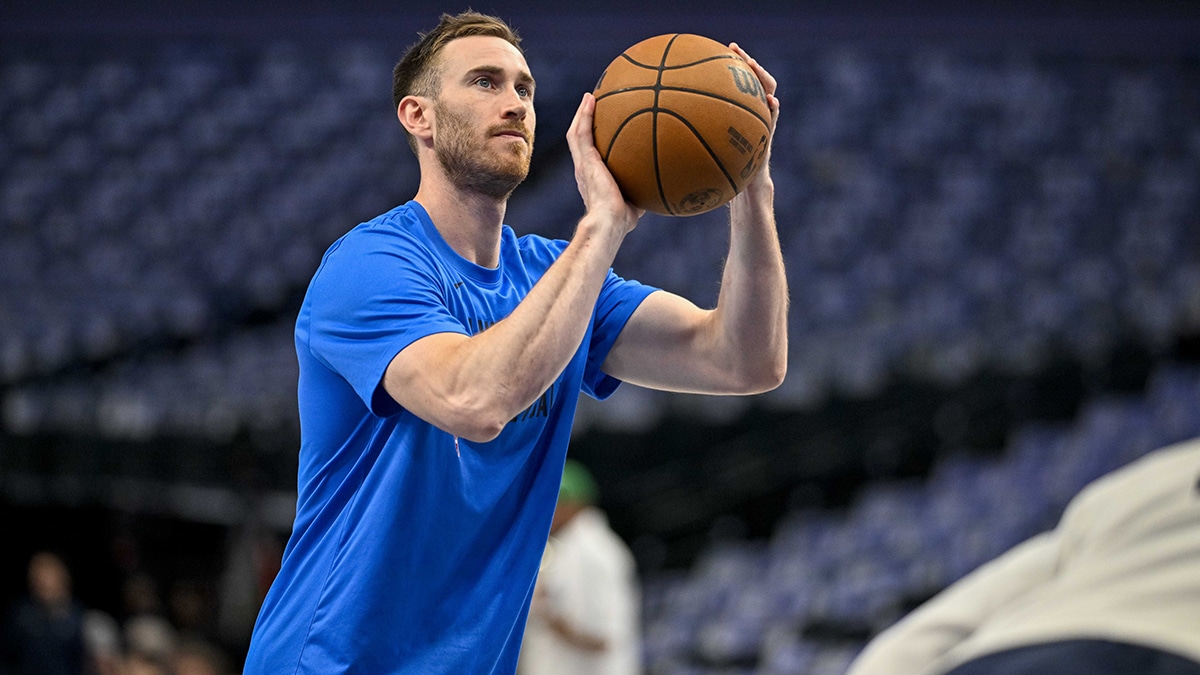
point(472, 167)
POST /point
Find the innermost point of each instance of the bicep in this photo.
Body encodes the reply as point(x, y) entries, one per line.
point(413, 372)
point(423, 380)
point(667, 344)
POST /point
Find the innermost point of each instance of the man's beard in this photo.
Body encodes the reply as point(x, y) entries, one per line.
point(470, 166)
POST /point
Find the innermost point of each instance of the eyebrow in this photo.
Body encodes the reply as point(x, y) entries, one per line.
point(522, 76)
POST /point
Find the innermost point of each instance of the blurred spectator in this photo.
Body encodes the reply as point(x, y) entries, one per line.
point(136, 663)
point(150, 641)
point(44, 633)
point(141, 596)
point(195, 657)
point(190, 609)
point(584, 617)
point(1114, 588)
point(150, 638)
point(102, 640)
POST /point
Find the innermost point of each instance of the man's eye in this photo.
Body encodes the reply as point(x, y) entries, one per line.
point(484, 82)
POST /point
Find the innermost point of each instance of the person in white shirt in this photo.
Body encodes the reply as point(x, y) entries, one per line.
point(1114, 588)
point(585, 617)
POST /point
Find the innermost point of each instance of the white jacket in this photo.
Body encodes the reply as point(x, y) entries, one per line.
point(1122, 565)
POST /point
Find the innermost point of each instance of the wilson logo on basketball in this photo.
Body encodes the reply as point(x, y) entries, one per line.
point(747, 83)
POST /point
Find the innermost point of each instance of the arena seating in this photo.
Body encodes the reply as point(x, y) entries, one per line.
point(807, 599)
point(940, 211)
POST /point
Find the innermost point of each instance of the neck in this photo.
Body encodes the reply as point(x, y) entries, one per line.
point(469, 222)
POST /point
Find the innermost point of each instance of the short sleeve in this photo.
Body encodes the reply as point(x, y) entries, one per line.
point(618, 299)
point(376, 293)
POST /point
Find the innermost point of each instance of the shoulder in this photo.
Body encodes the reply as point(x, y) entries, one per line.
point(1174, 468)
point(376, 257)
point(396, 235)
point(529, 254)
point(592, 528)
point(533, 246)
point(1160, 485)
point(401, 227)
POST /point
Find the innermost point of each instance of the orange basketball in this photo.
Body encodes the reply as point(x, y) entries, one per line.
point(681, 122)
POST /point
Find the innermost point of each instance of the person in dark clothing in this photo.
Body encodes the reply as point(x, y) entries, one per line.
point(43, 633)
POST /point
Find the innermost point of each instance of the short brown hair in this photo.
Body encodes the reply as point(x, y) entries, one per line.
point(417, 71)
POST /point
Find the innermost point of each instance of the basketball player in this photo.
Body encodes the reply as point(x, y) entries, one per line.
point(441, 360)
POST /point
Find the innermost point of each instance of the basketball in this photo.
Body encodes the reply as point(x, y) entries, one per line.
point(682, 123)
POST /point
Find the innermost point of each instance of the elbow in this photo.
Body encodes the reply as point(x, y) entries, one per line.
point(484, 422)
point(481, 419)
point(477, 425)
point(770, 380)
point(777, 374)
point(479, 433)
point(766, 374)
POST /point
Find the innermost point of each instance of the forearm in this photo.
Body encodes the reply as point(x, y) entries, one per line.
point(750, 321)
point(740, 347)
point(472, 386)
point(576, 638)
point(751, 315)
point(527, 350)
point(748, 328)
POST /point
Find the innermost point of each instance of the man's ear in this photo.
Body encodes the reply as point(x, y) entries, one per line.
point(414, 112)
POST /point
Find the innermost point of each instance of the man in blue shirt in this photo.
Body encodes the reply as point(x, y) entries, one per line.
point(441, 360)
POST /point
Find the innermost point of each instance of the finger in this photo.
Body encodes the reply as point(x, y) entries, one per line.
point(768, 81)
point(764, 76)
point(581, 142)
point(573, 130)
point(580, 136)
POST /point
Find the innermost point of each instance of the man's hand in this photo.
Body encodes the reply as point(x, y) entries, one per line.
point(763, 177)
point(601, 195)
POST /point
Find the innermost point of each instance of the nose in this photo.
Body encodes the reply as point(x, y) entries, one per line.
point(516, 107)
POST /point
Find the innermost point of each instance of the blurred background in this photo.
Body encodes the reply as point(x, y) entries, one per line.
point(988, 214)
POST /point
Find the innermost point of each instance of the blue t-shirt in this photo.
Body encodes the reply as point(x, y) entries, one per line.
point(414, 551)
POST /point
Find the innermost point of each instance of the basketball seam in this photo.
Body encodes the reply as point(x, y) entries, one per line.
point(680, 66)
point(621, 127)
point(662, 193)
point(685, 90)
point(707, 148)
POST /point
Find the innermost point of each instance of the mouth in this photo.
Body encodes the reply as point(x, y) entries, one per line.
point(515, 134)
